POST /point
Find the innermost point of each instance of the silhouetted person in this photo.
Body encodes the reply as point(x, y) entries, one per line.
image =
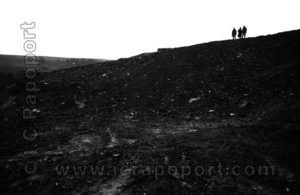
point(234, 33)
point(244, 32)
point(240, 33)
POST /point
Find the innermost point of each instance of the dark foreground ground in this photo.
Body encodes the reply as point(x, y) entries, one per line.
point(216, 118)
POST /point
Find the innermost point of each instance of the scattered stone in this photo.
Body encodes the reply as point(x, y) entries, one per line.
point(192, 130)
point(194, 99)
point(116, 155)
point(245, 103)
point(36, 110)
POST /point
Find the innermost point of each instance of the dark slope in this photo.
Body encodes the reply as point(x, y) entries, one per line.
point(256, 76)
point(232, 102)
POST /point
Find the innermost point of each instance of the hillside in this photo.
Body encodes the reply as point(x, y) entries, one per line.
point(258, 73)
point(12, 67)
point(231, 102)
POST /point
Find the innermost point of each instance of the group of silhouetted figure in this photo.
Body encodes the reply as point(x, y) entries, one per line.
point(241, 33)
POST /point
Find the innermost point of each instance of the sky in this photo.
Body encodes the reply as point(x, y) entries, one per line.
point(112, 29)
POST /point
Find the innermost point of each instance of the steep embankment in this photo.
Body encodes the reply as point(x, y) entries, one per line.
point(251, 77)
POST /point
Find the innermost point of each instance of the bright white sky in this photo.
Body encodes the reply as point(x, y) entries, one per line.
point(112, 29)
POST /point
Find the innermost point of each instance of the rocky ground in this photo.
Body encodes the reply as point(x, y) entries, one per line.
point(214, 118)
